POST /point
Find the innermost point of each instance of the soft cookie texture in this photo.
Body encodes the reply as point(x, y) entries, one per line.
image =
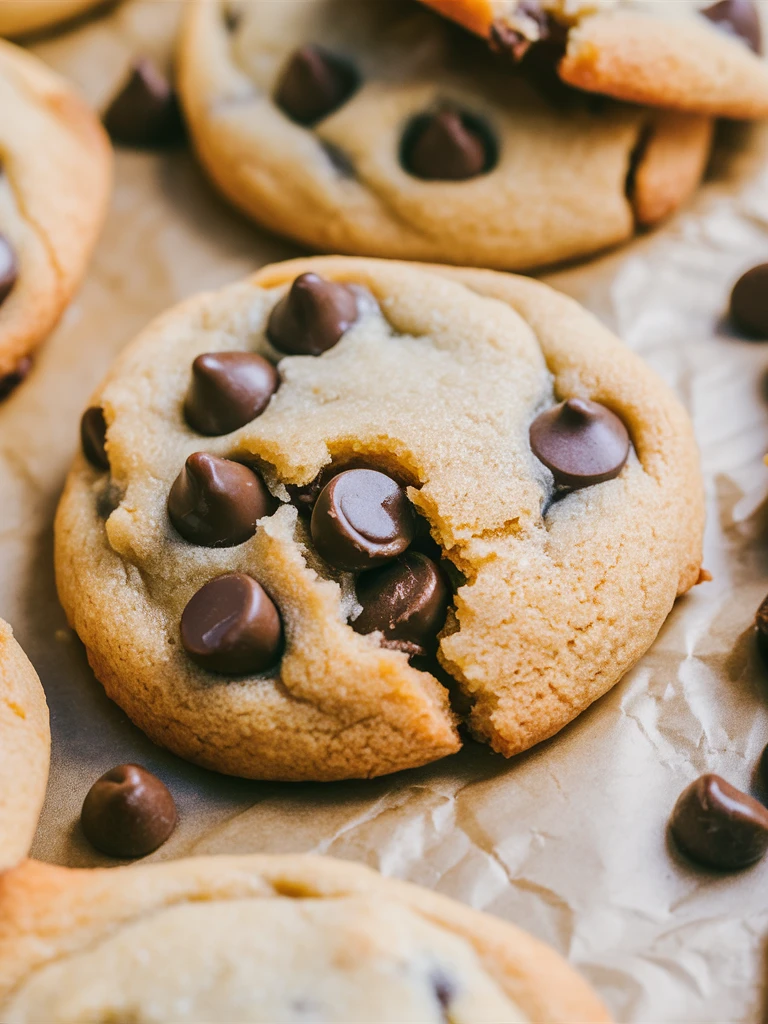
point(54, 187)
point(665, 53)
point(554, 592)
point(380, 129)
point(18, 17)
point(266, 939)
point(25, 749)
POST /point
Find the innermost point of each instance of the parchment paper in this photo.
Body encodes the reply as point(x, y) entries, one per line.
point(568, 841)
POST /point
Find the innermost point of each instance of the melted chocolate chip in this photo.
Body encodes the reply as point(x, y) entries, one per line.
point(128, 812)
point(581, 442)
point(232, 627)
point(739, 18)
point(362, 519)
point(9, 268)
point(93, 436)
point(228, 390)
point(312, 317)
point(406, 600)
point(10, 381)
point(216, 502)
point(749, 302)
point(145, 113)
point(447, 146)
point(313, 84)
point(761, 627)
point(718, 826)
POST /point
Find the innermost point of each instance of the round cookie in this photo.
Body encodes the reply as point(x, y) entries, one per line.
point(266, 939)
point(18, 17)
point(380, 129)
point(687, 55)
point(25, 749)
point(54, 187)
point(432, 379)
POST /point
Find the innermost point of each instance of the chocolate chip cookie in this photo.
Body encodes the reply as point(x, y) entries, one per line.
point(25, 749)
point(267, 939)
point(48, 227)
point(316, 507)
point(380, 129)
point(690, 55)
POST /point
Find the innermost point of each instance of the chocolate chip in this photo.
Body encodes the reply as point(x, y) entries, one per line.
point(312, 317)
point(9, 268)
point(718, 826)
point(761, 626)
point(447, 146)
point(145, 113)
point(313, 84)
point(232, 18)
point(228, 390)
point(128, 812)
point(738, 18)
point(749, 302)
point(362, 519)
point(216, 502)
point(10, 381)
point(406, 600)
point(93, 436)
point(581, 442)
point(232, 627)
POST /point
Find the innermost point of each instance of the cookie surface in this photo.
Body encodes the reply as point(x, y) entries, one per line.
point(25, 749)
point(48, 225)
point(434, 384)
point(18, 17)
point(685, 55)
point(382, 130)
point(266, 939)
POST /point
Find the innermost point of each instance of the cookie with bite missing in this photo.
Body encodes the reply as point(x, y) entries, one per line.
point(25, 750)
point(688, 55)
point(324, 515)
point(47, 227)
point(380, 129)
point(267, 939)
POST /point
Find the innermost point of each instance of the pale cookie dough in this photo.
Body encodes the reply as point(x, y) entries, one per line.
point(662, 53)
point(54, 188)
point(559, 177)
point(17, 17)
point(438, 381)
point(268, 939)
point(25, 750)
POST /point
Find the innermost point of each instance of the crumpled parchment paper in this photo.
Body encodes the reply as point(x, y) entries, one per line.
point(569, 840)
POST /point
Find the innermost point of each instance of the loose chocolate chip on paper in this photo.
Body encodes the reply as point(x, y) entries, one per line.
point(128, 812)
point(447, 146)
point(232, 627)
point(312, 317)
point(228, 390)
point(313, 84)
point(10, 381)
point(406, 600)
point(217, 502)
point(93, 436)
point(9, 268)
point(581, 442)
point(718, 826)
point(739, 18)
point(145, 113)
point(749, 302)
point(362, 519)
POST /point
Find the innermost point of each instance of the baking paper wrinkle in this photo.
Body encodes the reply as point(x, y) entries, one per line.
point(568, 840)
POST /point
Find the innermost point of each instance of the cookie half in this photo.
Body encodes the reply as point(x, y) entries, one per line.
point(54, 187)
point(379, 129)
point(684, 54)
point(266, 939)
point(25, 750)
point(316, 506)
point(18, 17)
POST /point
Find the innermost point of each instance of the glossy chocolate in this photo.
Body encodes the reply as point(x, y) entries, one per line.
point(718, 826)
point(580, 442)
point(749, 303)
point(228, 390)
point(313, 84)
point(446, 146)
point(312, 317)
point(93, 436)
point(145, 113)
point(128, 812)
point(739, 18)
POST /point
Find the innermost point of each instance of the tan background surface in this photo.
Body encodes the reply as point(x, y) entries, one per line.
point(569, 840)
